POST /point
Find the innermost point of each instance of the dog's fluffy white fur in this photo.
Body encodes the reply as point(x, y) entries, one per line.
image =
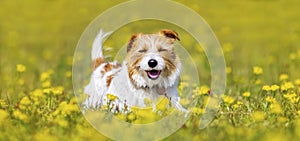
point(150, 70)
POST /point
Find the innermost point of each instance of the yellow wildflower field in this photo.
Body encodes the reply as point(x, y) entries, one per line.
point(260, 41)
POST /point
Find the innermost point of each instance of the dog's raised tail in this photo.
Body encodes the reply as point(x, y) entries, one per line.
point(98, 44)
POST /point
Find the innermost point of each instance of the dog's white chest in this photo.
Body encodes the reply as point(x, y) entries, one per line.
point(122, 87)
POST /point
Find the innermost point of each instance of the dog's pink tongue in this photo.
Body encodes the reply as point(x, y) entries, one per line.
point(153, 74)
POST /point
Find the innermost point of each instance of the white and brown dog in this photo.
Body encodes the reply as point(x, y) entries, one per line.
point(150, 70)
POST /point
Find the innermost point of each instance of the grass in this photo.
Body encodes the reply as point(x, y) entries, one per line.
point(260, 40)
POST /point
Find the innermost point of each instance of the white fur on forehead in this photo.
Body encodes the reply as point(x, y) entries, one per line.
point(152, 40)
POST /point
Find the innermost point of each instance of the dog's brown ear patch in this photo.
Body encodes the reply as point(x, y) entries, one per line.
point(170, 34)
point(131, 42)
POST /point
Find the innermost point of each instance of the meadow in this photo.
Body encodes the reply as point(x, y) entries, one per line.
point(260, 41)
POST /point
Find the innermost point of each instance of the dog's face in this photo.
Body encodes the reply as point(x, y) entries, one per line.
point(151, 60)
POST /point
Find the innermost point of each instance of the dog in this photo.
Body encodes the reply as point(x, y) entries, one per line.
point(150, 71)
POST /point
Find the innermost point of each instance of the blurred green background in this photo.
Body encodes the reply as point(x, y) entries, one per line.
point(42, 35)
point(32, 32)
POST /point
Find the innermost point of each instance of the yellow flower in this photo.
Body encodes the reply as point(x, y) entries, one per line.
point(3, 116)
point(111, 97)
point(228, 99)
point(286, 86)
point(292, 97)
point(297, 81)
point(56, 112)
point(238, 104)
point(246, 94)
point(37, 93)
point(266, 88)
point(3, 103)
point(21, 82)
point(46, 84)
point(258, 116)
point(162, 104)
point(282, 119)
point(36, 101)
point(25, 101)
point(131, 116)
point(142, 115)
point(257, 70)
point(21, 116)
point(283, 77)
point(258, 81)
point(73, 100)
point(293, 56)
point(65, 109)
point(58, 90)
point(202, 90)
point(228, 70)
point(227, 47)
point(197, 111)
point(47, 90)
point(61, 122)
point(276, 108)
point(46, 75)
point(70, 60)
point(68, 74)
point(21, 68)
point(274, 87)
point(182, 86)
point(270, 99)
point(44, 135)
point(71, 108)
point(235, 106)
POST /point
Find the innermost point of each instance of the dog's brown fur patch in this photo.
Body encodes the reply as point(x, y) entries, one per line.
point(170, 67)
point(170, 34)
point(133, 69)
point(108, 67)
point(131, 42)
point(108, 80)
point(97, 62)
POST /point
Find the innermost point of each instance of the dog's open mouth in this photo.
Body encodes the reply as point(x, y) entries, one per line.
point(153, 74)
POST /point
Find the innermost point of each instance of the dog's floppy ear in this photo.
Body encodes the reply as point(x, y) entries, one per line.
point(131, 41)
point(171, 34)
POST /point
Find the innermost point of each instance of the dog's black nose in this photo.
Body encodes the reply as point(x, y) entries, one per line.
point(152, 63)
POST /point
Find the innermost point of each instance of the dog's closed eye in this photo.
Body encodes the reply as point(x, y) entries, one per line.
point(162, 49)
point(143, 50)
